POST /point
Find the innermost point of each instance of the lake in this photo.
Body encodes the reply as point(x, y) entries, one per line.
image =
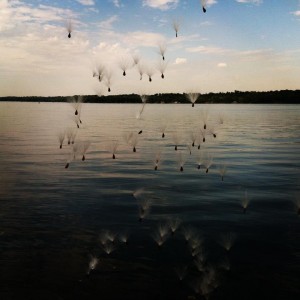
point(119, 229)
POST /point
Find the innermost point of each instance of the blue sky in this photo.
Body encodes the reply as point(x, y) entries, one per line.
point(235, 45)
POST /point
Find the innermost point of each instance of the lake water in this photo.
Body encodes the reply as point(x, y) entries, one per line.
point(54, 220)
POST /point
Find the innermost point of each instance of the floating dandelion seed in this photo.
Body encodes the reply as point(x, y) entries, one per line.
point(208, 161)
point(61, 137)
point(203, 4)
point(144, 203)
point(245, 202)
point(136, 59)
point(192, 97)
point(193, 138)
point(203, 135)
point(150, 73)
point(227, 240)
point(161, 234)
point(144, 99)
point(124, 65)
point(204, 117)
point(162, 50)
point(213, 131)
point(76, 102)
point(223, 171)
point(200, 160)
point(195, 245)
point(141, 70)
point(157, 159)
point(107, 80)
point(225, 264)
point(112, 148)
point(176, 26)
point(100, 72)
point(199, 139)
point(162, 65)
point(162, 127)
point(176, 139)
point(72, 155)
point(188, 232)
point(220, 119)
point(69, 26)
point(92, 264)
point(181, 160)
point(134, 141)
point(189, 148)
point(181, 271)
point(163, 229)
point(84, 147)
point(174, 224)
point(123, 237)
point(108, 248)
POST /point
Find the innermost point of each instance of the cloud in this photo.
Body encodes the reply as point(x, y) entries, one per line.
point(161, 4)
point(207, 50)
point(222, 65)
point(143, 39)
point(86, 2)
point(210, 2)
point(296, 13)
point(116, 3)
point(180, 61)
point(108, 24)
point(256, 2)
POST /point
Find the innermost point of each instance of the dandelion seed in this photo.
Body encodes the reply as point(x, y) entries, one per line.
point(112, 148)
point(222, 171)
point(141, 70)
point(124, 65)
point(92, 264)
point(69, 26)
point(181, 271)
point(227, 240)
point(174, 225)
point(245, 202)
point(176, 26)
point(84, 147)
point(162, 65)
point(192, 97)
point(162, 50)
point(61, 137)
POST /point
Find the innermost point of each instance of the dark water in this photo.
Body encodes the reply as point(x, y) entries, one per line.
point(52, 219)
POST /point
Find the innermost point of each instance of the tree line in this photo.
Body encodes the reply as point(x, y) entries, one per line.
point(269, 97)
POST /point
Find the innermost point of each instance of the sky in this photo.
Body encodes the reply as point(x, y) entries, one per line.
point(245, 45)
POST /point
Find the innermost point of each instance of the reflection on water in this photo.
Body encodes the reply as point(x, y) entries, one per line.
point(155, 234)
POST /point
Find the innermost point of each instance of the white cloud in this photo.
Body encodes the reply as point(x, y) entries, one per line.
point(86, 2)
point(180, 61)
point(222, 65)
point(116, 3)
point(208, 3)
point(207, 50)
point(161, 4)
point(257, 2)
point(296, 13)
point(108, 24)
point(142, 39)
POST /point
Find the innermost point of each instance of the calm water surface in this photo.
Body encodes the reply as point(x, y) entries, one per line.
point(52, 218)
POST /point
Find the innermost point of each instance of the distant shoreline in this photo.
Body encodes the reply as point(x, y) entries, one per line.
point(238, 97)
